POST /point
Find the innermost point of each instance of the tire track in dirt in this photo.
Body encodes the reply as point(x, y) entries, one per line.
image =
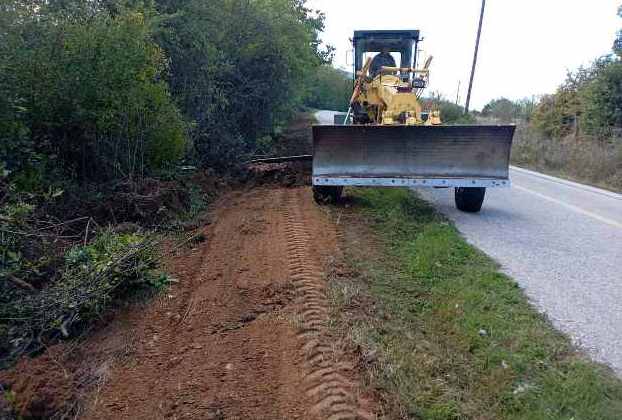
point(326, 379)
point(241, 335)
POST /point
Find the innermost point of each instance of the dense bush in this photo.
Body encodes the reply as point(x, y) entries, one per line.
point(587, 102)
point(601, 101)
point(84, 94)
point(84, 86)
point(238, 69)
point(453, 114)
point(329, 88)
point(505, 110)
point(98, 96)
point(593, 162)
point(90, 278)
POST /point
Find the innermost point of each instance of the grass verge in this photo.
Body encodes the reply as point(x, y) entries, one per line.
point(445, 335)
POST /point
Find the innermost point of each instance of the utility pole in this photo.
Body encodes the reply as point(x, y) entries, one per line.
point(458, 93)
point(479, 34)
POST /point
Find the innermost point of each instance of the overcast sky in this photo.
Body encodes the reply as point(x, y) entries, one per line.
point(526, 48)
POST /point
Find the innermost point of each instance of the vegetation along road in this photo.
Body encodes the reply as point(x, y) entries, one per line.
point(562, 242)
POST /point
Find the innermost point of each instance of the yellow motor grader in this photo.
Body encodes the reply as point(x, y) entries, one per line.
point(388, 138)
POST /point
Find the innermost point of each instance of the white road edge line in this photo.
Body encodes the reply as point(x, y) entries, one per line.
point(571, 207)
point(568, 183)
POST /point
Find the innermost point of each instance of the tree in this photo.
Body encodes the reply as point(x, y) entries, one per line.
point(329, 88)
point(87, 89)
point(502, 109)
point(586, 101)
point(602, 101)
point(239, 68)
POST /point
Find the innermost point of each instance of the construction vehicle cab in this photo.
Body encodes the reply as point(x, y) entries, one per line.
point(403, 43)
point(391, 137)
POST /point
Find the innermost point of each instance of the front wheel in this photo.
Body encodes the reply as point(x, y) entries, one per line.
point(470, 200)
point(327, 194)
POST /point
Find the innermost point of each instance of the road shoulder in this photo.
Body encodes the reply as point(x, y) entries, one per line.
point(444, 334)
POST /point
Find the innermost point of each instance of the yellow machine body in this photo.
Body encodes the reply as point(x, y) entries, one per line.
point(389, 100)
point(390, 139)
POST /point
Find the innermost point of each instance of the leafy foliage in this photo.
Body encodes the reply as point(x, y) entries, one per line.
point(91, 277)
point(453, 114)
point(329, 88)
point(239, 68)
point(588, 102)
point(601, 101)
point(578, 102)
point(85, 93)
point(505, 110)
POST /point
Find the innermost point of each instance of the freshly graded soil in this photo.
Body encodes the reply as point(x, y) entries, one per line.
point(242, 334)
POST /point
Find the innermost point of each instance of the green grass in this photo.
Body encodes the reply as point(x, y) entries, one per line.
point(456, 339)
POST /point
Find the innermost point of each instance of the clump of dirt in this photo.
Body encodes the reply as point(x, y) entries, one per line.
point(55, 383)
point(148, 202)
point(290, 174)
point(297, 138)
point(41, 388)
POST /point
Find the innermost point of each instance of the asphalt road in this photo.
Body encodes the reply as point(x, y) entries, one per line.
point(562, 242)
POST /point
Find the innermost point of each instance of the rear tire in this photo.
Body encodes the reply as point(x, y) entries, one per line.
point(470, 200)
point(327, 194)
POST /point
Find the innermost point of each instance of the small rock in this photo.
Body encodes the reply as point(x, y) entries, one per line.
point(522, 388)
point(229, 366)
point(248, 317)
point(370, 356)
point(483, 333)
point(125, 228)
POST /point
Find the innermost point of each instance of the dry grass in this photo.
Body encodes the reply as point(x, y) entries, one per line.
point(587, 160)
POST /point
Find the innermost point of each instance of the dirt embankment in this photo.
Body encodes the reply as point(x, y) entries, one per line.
point(242, 335)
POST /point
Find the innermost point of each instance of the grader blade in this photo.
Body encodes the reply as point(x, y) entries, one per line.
point(434, 156)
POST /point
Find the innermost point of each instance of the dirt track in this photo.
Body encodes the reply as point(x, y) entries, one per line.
point(243, 335)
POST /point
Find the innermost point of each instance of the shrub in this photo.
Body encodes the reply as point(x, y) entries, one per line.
point(582, 159)
point(238, 69)
point(602, 101)
point(91, 278)
point(454, 114)
point(86, 92)
point(329, 88)
point(588, 102)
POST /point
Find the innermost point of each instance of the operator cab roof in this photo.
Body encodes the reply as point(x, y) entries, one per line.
point(412, 34)
point(395, 40)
